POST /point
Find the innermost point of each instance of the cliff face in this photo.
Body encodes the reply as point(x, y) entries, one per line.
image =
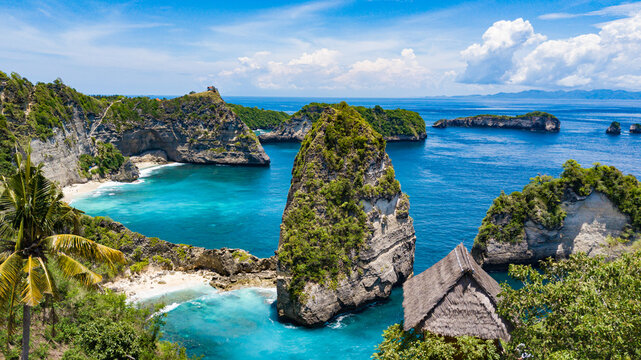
point(596, 211)
point(535, 121)
point(293, 130)
point(588, 224)
point(394, 125)
point(62, 124)
point(346, 237)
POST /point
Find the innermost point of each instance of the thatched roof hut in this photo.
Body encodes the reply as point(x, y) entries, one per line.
point(454, 297)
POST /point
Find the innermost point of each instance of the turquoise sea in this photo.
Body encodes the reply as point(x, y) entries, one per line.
point(451, 178)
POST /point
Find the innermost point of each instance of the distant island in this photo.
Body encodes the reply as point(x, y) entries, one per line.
point(599, 94)
point(533, 121)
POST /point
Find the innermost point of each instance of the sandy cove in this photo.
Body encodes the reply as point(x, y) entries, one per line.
point(155, 282)
point(71, 192)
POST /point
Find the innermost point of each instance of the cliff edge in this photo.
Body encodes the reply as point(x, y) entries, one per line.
point(534, 121)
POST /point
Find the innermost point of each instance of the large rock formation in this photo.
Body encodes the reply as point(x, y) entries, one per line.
point(394, 125)
point(558, 217)
point(534, 121)
point(61, 124)
point(614, 128)
point(346, 237)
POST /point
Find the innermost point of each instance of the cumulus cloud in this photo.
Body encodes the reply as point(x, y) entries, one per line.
point(489, 61)
point(509, 55)
point(321, 69)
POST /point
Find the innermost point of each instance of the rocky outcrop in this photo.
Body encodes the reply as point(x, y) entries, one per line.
point(196, 128)
point(127, 172)
point(293, 130)
point(534, 121)
point(635, 129)
point(230, 267)
point(614, 129)
point(63, 124)
point(346, 237)
point(394, 125)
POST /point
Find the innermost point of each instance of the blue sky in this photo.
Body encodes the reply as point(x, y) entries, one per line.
point(341, 48)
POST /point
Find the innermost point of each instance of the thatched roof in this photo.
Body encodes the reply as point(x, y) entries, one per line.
point(454, 297)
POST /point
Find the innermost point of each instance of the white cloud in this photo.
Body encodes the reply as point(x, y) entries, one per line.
point(320, 69)
point(616, 10)
point(489, 61)
point(607, 59)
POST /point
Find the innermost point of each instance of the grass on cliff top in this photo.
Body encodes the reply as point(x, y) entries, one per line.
point(256, 118)
point(540, 201)
point(324, 225)
point(389, 123)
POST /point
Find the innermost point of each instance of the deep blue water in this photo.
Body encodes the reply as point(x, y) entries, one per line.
point(451, 178)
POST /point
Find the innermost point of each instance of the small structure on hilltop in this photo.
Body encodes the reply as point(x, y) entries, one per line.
point(455, 297)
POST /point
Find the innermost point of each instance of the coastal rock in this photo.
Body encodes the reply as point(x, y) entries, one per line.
point(128, 172)
point(614, 129)
point(229, 265)
point(534, 121)
point(588, 224)
point(635, 129)
point(293, 130)
point(195, 128)
point(342, 272)
point(158, 157)
point(394, 125)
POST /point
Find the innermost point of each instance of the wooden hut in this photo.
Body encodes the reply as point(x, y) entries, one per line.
point(454, 297)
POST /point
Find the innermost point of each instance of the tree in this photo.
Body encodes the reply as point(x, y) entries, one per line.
point(580, 308)
point(32, 216)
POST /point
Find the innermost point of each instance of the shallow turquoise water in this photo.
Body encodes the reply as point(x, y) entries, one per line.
point(451, 178)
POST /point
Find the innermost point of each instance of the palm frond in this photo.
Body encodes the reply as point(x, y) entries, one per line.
point(34, 283)
point(76, 270)
point(9, 275)
point(48, 279)
point(85, 248)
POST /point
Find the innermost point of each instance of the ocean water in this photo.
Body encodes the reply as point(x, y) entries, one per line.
point(451, 179)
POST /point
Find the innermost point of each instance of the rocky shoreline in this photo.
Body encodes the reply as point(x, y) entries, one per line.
point(534, 121)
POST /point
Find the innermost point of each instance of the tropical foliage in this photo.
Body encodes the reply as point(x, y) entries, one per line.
point(256, 118)
point(32, 216)
point(108, 159)
point(580, 308)
point(399, 345)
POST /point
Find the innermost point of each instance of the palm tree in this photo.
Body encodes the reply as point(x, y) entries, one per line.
point(31, 214)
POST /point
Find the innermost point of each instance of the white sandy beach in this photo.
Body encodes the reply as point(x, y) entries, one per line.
point(155, 282)
point(73, 191)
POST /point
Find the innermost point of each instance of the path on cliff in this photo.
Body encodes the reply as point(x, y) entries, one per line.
point(97, 123)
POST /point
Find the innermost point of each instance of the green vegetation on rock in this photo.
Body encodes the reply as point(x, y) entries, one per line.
point(389, 123)
point(540, 201)
point(256, 118)
point(108, 160)
point(324, 224)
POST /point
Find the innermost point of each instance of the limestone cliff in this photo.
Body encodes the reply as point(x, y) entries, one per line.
point(394, 125)
point(534, 121)
point(595, 211)
point(346, 237)
point(61, 125)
